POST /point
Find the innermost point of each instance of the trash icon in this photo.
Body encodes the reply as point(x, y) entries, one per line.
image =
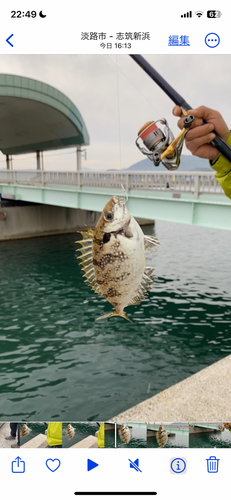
point(212, 464)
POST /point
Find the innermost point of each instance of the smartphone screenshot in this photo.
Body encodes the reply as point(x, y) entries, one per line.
point(115, 232)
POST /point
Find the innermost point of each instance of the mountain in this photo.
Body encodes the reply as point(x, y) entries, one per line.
point(187, 163)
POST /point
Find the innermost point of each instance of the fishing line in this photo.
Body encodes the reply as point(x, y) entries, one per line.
point(130, 81)
point(122, 186)
point(118, 105)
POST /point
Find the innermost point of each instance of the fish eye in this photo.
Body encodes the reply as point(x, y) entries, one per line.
point(108, 216)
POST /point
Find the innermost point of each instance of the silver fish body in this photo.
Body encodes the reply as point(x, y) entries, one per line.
point(25, 431)
point(162, 436)
point(120, 265)
point(113, 257)
point(70, 431)
point(125, 433)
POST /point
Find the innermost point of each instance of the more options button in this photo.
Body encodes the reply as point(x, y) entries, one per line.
point(212, 40)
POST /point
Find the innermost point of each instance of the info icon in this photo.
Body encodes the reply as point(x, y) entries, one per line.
point(178, 465)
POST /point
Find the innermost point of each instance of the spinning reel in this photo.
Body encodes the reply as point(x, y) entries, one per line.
point(159, 142)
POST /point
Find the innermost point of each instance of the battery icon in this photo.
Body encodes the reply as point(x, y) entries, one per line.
point(212, 464)
point(213, 13)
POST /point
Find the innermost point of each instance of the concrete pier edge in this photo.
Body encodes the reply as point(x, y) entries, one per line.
point(5, 431)
point(202, 397)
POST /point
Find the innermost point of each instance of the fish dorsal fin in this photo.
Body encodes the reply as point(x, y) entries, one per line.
point(86, 259)
point(150, 244)
point(145, 285)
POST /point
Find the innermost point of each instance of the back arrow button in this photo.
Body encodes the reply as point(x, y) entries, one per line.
point(8, 40)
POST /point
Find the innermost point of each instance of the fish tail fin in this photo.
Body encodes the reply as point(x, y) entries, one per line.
point(122, 314)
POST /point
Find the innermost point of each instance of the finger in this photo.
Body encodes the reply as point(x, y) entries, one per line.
point(201, 114)
point(194, 145)
point(177, 111)
point(205, 113)
point(206, 151)
point(180, 123)
point(199, 131)
point(197, 122)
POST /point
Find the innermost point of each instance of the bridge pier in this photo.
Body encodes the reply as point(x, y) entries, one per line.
point(28, 221)
point(38, 160)
point(9, 162)
point(79, 160)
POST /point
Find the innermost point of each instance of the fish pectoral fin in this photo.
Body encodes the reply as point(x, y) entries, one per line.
point(105, 316)
point(145, 285)
point(150, 244)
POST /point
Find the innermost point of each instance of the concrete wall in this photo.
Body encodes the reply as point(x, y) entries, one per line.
point(42, 220)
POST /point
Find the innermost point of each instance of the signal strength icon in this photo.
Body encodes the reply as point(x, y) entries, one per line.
point(199, 13)
point(188, 14)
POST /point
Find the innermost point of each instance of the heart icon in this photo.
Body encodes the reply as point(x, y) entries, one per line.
point(53, 465)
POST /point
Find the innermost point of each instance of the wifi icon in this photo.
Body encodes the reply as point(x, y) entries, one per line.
point(199, 13)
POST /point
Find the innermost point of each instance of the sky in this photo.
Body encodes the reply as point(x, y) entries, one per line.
point(116, 98)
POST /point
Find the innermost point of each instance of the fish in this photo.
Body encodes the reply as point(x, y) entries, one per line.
point(125, 433)
point(162, 436)
point(113, 258)
point(70, 431)
point(25, 431)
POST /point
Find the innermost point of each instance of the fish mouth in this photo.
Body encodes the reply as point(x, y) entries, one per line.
point(122, 229)
point(118, 200)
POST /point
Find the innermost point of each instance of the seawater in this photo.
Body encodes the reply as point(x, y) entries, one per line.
point(174, 441)
point(211, 440)
point(58, 363)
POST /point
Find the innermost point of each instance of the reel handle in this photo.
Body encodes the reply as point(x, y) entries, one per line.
point(218, 142)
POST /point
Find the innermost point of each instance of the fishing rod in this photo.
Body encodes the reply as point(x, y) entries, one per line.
point(159, 142)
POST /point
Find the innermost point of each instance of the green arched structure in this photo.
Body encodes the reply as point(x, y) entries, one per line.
point(37, 117)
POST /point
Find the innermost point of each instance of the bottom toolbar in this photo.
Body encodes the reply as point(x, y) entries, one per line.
point(62, 473)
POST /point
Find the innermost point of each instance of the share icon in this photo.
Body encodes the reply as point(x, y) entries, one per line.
point(135, 465)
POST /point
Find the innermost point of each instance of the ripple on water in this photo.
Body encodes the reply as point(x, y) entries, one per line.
point(56, 360)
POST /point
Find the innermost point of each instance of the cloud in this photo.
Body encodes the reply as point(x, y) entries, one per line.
point(115, 98)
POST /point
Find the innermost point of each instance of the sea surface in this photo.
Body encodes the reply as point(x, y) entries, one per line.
point(174, 441)
point(58, 363)
point(211, 440)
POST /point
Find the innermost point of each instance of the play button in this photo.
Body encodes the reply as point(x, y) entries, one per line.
point(91, 465)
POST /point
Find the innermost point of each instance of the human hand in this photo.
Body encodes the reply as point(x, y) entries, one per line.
point(200, 134)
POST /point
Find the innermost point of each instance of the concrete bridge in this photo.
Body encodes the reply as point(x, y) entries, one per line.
point(191, 198)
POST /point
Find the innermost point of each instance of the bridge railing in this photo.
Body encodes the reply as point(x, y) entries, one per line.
point(191, 182)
